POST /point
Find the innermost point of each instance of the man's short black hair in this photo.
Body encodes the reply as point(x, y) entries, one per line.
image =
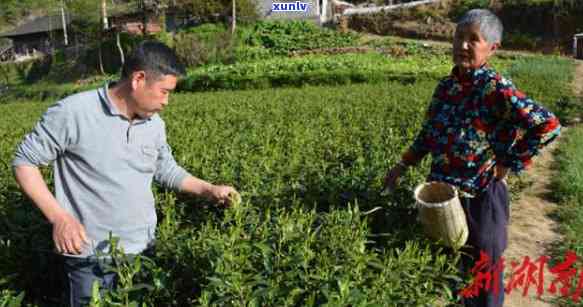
point(154, 58)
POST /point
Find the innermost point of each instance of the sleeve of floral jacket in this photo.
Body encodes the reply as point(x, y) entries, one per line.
point(523, 126)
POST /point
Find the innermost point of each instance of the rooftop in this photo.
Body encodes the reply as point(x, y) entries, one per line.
point(38, 25)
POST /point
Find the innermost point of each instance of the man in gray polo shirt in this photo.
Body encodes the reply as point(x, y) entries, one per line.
point(106, 147)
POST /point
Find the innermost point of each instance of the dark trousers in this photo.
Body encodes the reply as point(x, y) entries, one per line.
point(487, 217)
point(80, 274)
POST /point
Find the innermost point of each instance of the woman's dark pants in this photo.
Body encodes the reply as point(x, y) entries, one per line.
point(487, 216)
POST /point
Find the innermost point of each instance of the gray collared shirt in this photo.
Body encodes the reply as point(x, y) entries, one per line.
point(103, 167)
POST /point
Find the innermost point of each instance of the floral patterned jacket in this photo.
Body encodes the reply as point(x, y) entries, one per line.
point(475, 121)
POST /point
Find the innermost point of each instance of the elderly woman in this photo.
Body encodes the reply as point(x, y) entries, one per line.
point(477, 128)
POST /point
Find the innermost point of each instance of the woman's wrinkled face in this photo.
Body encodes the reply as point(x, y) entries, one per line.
point(470, 48)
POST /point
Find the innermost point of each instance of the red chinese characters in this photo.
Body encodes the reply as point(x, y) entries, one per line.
point(526, 275)
point(486, 276)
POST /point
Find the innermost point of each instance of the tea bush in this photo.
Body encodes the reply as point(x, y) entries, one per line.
point(283, 37)
point(568, 189)
point(309, 162)
point(315, 70)
point(547, 79)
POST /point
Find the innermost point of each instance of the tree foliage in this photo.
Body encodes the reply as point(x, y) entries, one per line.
point(14, 11)
point(211, 10)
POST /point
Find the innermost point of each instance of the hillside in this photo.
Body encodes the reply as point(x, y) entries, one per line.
point(534, 25)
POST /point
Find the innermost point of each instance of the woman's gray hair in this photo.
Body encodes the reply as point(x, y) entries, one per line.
point(490, 25)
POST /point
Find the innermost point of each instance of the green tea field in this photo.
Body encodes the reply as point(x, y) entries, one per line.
point(312, 228)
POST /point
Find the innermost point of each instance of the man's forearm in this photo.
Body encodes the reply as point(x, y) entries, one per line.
point(32, 183)
point(196, 186)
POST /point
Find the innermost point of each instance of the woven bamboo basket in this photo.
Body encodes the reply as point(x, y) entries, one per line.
point(441, 213)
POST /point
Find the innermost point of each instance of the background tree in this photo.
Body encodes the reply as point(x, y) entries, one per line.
point(104, 27)
point(216, 10)
point(234, 17)
point(87, 25)
point(13, 12)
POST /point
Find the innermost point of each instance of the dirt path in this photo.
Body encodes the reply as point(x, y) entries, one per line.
point(532, 231)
